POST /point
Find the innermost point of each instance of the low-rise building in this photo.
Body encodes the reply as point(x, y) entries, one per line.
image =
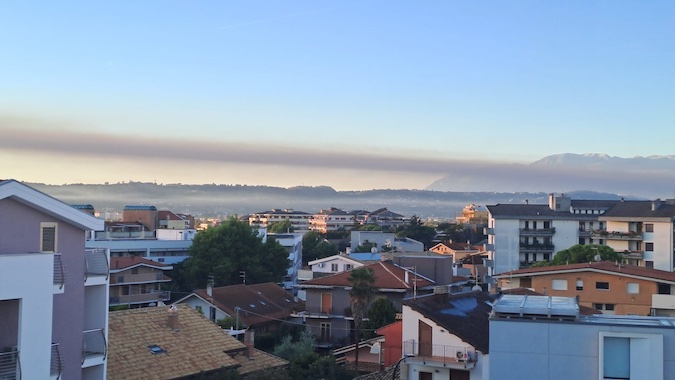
point(138, 282)
point(611, 287)
point(332, 219)
point(300, 220)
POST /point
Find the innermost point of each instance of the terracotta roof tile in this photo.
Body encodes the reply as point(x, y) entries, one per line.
point(387, 276)
point(130, 261)
point(602, 266)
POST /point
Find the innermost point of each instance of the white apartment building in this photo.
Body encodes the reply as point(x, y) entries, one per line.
point(332, 219)
point(519, 235)
point(299, 220)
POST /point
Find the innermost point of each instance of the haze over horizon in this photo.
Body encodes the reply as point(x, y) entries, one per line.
point(350, 95)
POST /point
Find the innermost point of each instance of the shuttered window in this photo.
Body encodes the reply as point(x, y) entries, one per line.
point(48, 237)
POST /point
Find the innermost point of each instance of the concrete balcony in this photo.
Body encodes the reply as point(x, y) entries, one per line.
point(536, 248)
point(633, 254)
point(584, 233)
point(141, 278)
point(318, 312)
point(663, 301)
point(94, 347)
point(97, 267)
point(537, 231)
point(440, 355)
point(616, 235)
point(133, 299)
point(10, 366)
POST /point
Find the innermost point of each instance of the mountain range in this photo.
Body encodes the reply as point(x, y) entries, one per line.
point(650, 177)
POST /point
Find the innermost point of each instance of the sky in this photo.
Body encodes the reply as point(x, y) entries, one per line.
point(350, 94)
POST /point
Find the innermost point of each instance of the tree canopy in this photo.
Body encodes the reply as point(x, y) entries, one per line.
point(280, 227)
point(415, 229)
point(315, 246)
point(229, 249)
point(582, 253)
point(381, 313)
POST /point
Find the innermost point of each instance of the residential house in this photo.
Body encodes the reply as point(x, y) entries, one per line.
point(381, 217)
point(544, 337)
point(53, 292)
point(161, 343)
point(473, 214)
point(457, 250)
point(328, 304)
point(332, 219)
point(334, 264)
point(137, 282)
point(611, 287)
point(446, 336)
point(261, 306)
point(300, 220)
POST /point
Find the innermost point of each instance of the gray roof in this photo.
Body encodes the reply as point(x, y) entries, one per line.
point(640, 209)
point(593, 203)
point(522, 210)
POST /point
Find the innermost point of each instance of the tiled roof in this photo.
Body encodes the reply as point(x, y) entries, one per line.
point(387, 276)
point(602, 266)
point(259, 303)
point(197, 346)
point(522, 210)
point(130, 261)
point(593, 203)
point(640, 209)
point(465, 315)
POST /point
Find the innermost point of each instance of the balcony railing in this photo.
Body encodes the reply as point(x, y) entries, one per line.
point(94, 344)
point(140, 298)
point(616, 235)
point(537, 231)
point(663, 301)
point(56, 366)
point(524, 247)
point(633, 254)
point(59, 273)
point(117, 279)
point(10, 367)
point(96, 263)
point(319, 311)
point(440, 353)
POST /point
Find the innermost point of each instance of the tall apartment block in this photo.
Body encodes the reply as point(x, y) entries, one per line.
point(53, 292)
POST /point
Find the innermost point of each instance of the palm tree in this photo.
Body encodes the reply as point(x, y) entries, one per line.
point(362, 281)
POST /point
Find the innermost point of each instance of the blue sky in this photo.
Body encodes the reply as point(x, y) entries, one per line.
point(118, 91)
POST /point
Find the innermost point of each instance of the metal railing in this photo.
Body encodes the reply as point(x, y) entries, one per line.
point(96, 263)
point(94, 344)
point(136, 278)
point(616, 235)
point(10, 367)
point(163, 295)
point(439, 353)
point(56, 366)
point(537, 231)
point(321, 311)
point(59, 272)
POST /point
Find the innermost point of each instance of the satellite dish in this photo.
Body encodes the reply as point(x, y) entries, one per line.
point(373, 250)
point(597, 257)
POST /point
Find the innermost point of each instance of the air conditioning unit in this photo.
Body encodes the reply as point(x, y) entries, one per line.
point(461, 356)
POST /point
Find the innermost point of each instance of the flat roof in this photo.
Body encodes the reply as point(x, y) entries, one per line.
point(529, 306)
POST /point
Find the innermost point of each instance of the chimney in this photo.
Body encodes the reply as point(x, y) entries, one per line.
point(656, 204)
point(407, 277)
point(249, 340)
point(209, 287)
point(172, 319)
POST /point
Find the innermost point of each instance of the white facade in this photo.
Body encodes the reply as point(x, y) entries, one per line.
point(293, 244)
point(209, 311)
point(334, 264)
point(163, 251)
point(460, 355)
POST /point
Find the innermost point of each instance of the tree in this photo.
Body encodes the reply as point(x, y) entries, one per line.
point(415, 229)
point(381, 313)
point(370, 227)
point(305, 364)
point(583, 253)
point(362, 281)
point(280, 227)
point(229, 249)
point(315, 246)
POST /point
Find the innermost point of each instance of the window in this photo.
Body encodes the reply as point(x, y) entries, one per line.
point(580, 284)
point(602, 285)
point(632, 288)
point(616, 358)
point(325, 332)
point(212, 313)
point(649, 247)
point(664, 289)
point(348, 267)
point(609, 306)
point(155, 349)
point(649, 227)
point(598, 306)
point(622, 355)
point(559, 284)
point(334, 267)
point(48, 237)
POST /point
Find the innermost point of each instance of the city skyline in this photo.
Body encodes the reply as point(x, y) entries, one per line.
point(345, 94)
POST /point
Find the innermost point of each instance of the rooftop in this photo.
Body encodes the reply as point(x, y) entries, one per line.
point(598, 267)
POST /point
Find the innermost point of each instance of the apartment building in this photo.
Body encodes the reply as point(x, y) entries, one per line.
point(138, 282)
point(332, 219)
point(292, 242)
point(642, 231)
point(300, 220)
point(53, 291)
